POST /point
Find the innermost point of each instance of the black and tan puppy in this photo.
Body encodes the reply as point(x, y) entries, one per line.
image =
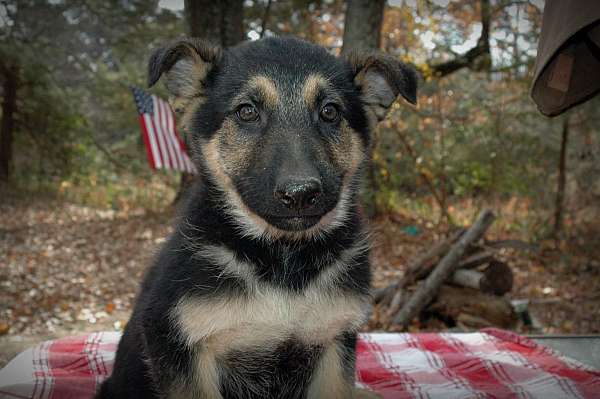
point(260, 290)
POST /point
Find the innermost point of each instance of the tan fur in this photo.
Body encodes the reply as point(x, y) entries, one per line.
point(180, 390)
point(185, 109)
point(312, 85)
point(208, 376)
point(328, 379)
point(348, 152)
point(267, 89)
point(233, 162)
point(267, 318)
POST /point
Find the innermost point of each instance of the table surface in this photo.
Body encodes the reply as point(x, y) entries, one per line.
point(585, 348)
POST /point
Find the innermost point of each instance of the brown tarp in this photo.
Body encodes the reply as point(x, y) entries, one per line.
point(567, 68)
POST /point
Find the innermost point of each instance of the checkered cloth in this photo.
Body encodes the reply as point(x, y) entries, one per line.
point(490, 364)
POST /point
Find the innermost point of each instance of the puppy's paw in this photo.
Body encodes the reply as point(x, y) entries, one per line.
point(360, 393)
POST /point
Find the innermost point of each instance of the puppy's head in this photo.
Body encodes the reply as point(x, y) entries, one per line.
point(280, 125)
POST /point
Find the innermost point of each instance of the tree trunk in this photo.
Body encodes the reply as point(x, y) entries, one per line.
point(9, 108)
point(362, 30)
point(219, 21)
point(362, 24)
point(562, 178)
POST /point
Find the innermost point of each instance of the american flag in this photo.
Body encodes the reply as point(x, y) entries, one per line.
point(164, 147)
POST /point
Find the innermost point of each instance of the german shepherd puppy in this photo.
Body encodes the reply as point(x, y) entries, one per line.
point(262, 287)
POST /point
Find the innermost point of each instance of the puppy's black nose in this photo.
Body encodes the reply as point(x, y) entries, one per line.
point(298, 195)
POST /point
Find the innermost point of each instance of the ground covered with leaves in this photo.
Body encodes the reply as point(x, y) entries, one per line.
point(67, 269)
point(560, 279)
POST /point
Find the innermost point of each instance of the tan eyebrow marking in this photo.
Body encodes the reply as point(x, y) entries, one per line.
point(267, 89)
point(311, 88)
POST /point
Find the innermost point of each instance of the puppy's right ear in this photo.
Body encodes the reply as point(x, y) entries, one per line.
point(185, 64)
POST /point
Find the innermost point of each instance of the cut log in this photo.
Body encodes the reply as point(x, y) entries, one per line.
point(467, 278)
point(417, 269)
point(476, 308)
point(496, 279)
point(428, 290)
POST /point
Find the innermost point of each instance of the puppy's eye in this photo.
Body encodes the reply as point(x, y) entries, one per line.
point(247, 113)
point(329, 113)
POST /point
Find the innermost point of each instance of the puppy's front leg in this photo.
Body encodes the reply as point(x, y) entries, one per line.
point(334, 376)
point(330, 379)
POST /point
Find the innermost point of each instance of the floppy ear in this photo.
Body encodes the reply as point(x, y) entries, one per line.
point(185, 63)
point(381, 79)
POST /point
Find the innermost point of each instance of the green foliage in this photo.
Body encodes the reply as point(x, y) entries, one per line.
point(76, 124)
point(474, 177)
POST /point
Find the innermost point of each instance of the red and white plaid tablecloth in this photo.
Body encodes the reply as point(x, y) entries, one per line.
point(490, 364)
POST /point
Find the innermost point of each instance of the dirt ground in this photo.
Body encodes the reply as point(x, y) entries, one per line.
point(66, 269)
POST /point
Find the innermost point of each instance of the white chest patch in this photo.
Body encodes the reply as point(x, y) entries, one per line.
point(266, 315)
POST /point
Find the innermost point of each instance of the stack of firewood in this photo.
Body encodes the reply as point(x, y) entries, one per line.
point(459, 280)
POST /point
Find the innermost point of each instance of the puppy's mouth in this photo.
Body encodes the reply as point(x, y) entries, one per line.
point(293, 222)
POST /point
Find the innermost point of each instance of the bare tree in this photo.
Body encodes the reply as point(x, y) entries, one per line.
point(562, 178)
point(9, 75)
point(221, 22)
point(362, 30)
point(362, 24)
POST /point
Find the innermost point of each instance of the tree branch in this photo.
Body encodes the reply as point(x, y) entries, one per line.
point(468, 60)
point(107, 153)
point(265, 18)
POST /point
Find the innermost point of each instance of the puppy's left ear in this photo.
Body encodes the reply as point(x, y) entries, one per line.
point(381, 78)
point(186, 63)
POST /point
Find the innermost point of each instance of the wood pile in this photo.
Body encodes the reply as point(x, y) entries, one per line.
point(459, 280)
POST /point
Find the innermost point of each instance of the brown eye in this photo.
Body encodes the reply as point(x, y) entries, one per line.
point(329, 113)
point(247, 113)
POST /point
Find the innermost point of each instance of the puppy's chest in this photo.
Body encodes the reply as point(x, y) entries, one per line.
point(267, 317)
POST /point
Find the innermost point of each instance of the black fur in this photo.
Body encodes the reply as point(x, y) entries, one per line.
point(152, 356)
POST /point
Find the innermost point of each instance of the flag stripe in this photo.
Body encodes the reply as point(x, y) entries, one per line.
point(164, 146)
point(165, 131)
point(153, 141)
point(170, 127)
point(148, 146)
point(161, 139)
point(160, 134)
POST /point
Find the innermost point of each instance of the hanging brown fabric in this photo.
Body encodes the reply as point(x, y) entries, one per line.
point(567, 69)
